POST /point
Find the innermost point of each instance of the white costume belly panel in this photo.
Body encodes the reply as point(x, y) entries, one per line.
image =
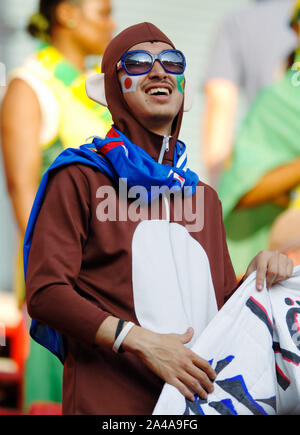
point(172, 285)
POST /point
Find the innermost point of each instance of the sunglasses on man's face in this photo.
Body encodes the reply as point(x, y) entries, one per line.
point(139, 62)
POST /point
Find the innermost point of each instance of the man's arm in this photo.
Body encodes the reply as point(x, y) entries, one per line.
point(54, 264)
point(165, 355)
point(273, 185)
point(55, 258)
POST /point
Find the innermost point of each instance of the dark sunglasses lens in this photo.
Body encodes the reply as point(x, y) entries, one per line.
point(137, 63)
point(173, 61)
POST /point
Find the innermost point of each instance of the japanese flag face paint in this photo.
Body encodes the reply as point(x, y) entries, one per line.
point(129, 83)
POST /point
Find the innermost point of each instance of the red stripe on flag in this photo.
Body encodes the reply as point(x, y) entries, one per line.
point(281, 373)
point(296, 322)
point(178, 177)
point(109, 146)
point(286, 358)
point(263, 308)
point(112, 133)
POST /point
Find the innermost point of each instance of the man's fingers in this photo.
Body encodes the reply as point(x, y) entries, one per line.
point(187, 336)
point(195, 376)
point(280, 268)
point(272, 269)
point(183, 390)
point(201, 377)
point(285, 268)
point(261, 271)
point(290, 267)
point(193, 385)
point(204, 366)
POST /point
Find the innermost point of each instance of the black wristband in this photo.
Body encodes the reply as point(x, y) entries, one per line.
point(118, 330)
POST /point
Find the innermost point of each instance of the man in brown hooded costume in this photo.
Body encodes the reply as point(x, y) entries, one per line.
point(163, 278)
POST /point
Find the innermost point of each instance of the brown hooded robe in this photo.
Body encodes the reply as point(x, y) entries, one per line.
point(154, 272)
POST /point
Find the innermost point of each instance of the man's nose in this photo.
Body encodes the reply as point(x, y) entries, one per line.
point(157, 70)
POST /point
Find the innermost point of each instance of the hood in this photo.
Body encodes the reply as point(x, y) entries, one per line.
point(123, 118)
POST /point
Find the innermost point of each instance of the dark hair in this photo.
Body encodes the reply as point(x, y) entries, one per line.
point(42, 22)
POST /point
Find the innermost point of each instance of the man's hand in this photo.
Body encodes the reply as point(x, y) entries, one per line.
point(168, 358)
point(272, 266)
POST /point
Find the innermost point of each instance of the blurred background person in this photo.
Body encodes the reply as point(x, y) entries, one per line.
point(262, 179)
point(45, 109)
point(249, 53)
point(285, 234)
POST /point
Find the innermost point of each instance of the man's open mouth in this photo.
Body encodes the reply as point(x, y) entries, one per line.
point(159, 91)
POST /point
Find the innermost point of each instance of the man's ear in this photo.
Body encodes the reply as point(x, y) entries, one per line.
point(188, 96)
point(95, 88)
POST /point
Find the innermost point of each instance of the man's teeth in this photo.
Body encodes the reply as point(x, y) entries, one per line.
point(164, 91)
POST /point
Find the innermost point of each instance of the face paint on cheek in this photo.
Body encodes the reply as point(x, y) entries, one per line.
point(129, 83)
point(180, 83)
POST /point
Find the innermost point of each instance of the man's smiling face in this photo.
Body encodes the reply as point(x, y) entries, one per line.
point(154, 98)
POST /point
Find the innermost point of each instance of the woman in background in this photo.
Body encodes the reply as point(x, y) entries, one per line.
point(45, 110)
